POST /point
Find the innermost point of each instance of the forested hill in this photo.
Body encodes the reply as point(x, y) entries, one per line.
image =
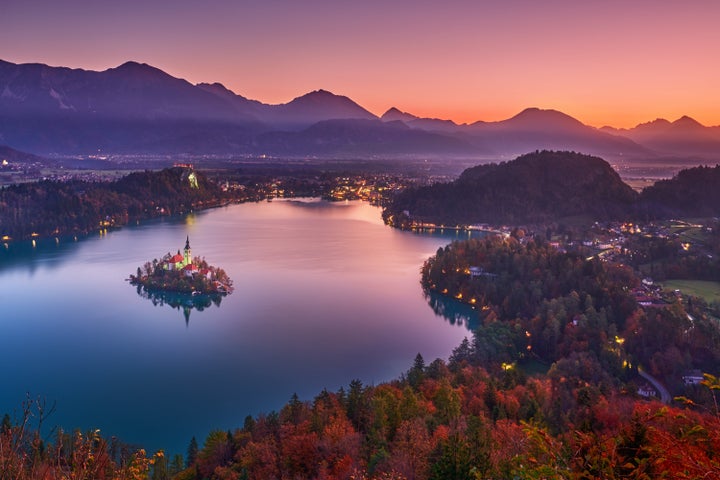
point(535, 187)
point(694, 192)
point(78, 207)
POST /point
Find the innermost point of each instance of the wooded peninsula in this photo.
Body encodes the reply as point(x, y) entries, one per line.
point(78, 207)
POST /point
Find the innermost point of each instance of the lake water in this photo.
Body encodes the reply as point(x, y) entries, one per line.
point(324, 294)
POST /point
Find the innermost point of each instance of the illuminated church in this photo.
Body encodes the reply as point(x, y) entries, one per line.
point(182, 262)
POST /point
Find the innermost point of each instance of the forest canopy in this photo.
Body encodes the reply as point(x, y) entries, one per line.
point(77, 207)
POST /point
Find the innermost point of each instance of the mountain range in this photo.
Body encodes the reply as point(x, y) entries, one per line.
point(137, 108)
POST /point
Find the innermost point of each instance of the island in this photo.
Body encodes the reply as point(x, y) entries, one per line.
point(181, 273)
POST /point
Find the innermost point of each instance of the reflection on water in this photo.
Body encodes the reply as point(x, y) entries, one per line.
point(49, 252)
point(456, 313)
point(180, 301)
point(324, 293)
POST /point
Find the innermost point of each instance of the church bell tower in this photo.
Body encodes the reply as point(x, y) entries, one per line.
point(187, 260)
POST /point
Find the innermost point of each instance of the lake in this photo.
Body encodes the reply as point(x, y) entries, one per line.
point(324, 294)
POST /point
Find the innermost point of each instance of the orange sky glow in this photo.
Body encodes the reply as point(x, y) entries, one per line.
point(613, 63)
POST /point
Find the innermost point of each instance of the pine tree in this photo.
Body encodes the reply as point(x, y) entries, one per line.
point(192, 452)
point(417, 373)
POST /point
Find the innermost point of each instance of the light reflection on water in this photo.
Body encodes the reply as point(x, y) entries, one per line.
point(324, 293)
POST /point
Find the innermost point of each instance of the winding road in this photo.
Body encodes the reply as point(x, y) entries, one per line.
point(665, 396)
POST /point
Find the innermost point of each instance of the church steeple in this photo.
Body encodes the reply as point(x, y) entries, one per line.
point(187, 260)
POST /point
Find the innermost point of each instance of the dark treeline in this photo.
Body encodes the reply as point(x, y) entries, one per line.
point(78, 207)
point(693, 192)
point(548, 186)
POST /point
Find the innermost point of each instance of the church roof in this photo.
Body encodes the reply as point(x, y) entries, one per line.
point(177, 258)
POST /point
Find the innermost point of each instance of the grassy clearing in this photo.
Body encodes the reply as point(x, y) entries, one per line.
point(709, 291)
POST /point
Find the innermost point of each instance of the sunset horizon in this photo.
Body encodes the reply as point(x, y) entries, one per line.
point(606, 65)
point(461, 118)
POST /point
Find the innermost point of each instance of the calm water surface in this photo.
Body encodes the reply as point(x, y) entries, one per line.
point(324, 293)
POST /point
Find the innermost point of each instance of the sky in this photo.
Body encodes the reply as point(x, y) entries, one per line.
point(609, 62)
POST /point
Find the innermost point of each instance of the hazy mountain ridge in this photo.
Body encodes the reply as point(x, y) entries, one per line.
point(682, 136)
point(361, 136)
point(16, 156)
point(136, 108)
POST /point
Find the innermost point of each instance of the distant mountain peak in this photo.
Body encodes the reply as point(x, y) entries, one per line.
point(393, 111)
point(321, 105)
point(535, 112)
point(216, 87)
point(320, 95)
point(133, 65)
point(394, 114)
point(687, 122)
point(530, 110)
point(657, 121)
point(543, 118)
point(136, 68)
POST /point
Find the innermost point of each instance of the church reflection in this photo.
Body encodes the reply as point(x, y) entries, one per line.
point(456, 313)
point(184, 302)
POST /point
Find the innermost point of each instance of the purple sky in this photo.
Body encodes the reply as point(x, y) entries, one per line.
point(611, 62)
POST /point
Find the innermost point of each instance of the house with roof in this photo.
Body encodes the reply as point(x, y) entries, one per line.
point(190, 270)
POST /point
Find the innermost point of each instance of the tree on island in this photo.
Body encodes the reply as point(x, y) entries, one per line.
point(182, 274)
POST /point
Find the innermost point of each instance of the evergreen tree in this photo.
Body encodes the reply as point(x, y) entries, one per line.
point(461, 353)
point(294, 409)
point(192, 452)
point(249, 424)
point(416, 374)
point(176, 465)
point(357, 408)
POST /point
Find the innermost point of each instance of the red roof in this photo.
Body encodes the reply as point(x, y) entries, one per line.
point(177, 258)
point(191, 267)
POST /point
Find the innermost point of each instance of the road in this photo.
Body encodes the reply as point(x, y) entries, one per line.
point(665, 396)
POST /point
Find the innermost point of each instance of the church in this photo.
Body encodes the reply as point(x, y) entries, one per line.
point(182, 261)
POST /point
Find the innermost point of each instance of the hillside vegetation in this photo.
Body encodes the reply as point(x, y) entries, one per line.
point(548, 186)
point(692, 192)
point(77, 207)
